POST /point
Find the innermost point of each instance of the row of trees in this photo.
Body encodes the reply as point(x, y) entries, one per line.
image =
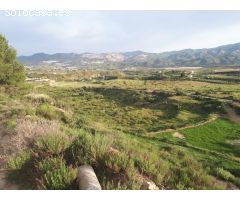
point(11, 71)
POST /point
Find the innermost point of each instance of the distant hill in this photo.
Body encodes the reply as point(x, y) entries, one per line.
point(227, 55)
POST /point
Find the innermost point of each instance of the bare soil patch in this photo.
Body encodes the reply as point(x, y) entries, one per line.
point(18, 139)
point(232, 115)
point(178, 135)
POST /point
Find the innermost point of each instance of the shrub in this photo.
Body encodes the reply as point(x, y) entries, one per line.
point(63, 115)
point(27, 131)
point(22, 112)
point(39, 98)
point(53, 113)
point(53, 143)
point(153, 168)
point(50, 163)
point(179, 92)
point(47, 111)
point(89, 149)
point(119, 162)
point(18, 161)
point(224, 174)
point(189, 174)
point(146, 166)
point(56, 175)
point(10, 123)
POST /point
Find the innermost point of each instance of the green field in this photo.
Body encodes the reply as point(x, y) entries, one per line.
point(216, 136)
point(214, 143)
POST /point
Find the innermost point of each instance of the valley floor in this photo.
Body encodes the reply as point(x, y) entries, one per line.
point(179, 134)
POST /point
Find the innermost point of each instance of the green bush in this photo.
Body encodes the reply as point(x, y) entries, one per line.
point(53, 113)
point(39, 98)
point(153, 167)
point(47, 111)
point(224, 174)
point(10, 123)
point(119, 162)
point(21, 112)
point(89, 149)
point(56, 175)
point(53, 143)
point(50, 163)
point(189, 174)
point(19, 161)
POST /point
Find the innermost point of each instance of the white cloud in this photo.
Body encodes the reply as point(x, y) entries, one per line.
point(99, 31)
point(207, 38)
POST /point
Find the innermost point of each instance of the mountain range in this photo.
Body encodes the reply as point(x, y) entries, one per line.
point(227, 55)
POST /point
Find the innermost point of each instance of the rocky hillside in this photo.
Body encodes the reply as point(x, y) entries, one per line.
point(227, 55)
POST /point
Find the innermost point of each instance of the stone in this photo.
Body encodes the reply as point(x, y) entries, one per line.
point(149, 185)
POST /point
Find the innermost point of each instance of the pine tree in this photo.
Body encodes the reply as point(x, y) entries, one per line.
point(11, 71)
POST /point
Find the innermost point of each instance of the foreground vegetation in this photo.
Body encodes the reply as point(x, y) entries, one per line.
point(131, 129)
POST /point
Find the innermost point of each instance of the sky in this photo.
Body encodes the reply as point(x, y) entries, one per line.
point(120, 31)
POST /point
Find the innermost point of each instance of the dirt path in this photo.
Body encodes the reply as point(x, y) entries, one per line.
point(213, 118)
point(231, 115)
point(4, 182)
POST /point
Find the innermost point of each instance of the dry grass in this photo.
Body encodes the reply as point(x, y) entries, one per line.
point(26, 132)
point(39, 98)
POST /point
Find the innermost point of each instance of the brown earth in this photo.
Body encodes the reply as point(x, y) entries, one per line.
point(232, 115)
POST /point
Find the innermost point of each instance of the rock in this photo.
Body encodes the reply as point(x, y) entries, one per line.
point(149, 185)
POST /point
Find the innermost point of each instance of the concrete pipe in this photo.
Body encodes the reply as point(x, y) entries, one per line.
point(87, 179)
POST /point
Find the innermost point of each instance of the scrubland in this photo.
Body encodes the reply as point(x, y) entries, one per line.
point(132, 127)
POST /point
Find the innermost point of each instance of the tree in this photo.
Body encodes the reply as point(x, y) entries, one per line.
point(11, 71)
point(183, 74)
